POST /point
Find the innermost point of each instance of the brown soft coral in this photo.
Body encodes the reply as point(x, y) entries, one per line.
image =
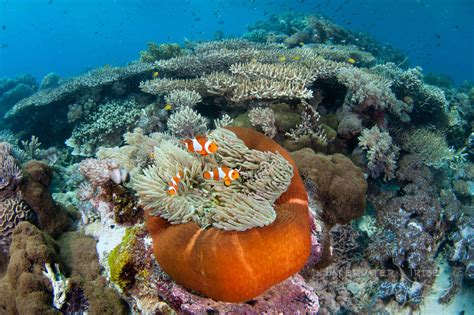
point(24, 288)
point(52, 218)
point(78, 252)
point(237, 266)
point(340, 185)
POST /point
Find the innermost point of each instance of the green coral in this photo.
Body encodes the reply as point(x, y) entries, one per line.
point(157, 52)
point(121, 261)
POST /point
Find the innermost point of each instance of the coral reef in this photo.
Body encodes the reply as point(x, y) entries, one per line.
point(144, 221)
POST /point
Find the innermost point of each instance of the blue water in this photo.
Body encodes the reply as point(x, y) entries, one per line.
point(71, 36)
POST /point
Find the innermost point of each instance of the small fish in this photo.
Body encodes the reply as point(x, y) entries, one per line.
point(222, 173)
point(296, 58)
point(151, 155)
point(168, 107)
point(351, 61)
point(174, 183)
point(156, 74)
point(301, 44)
point(201, 145)
point(282, 58)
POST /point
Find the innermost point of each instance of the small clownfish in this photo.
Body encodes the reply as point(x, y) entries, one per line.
point(174, 182)
point(201, 145)
point(156, 74)
point(168, 107)
point(222, 173)
point(351, 61)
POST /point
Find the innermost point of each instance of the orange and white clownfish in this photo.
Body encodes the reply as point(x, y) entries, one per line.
point(222, 173)
point(201, 145)
point(174, 182)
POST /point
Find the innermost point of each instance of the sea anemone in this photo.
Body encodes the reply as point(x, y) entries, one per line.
point(236, 264)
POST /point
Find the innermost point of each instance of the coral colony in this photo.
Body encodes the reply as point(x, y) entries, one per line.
point(300, 168)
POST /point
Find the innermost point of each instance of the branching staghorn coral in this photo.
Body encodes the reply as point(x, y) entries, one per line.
point(247, 203)
point(255, 70)
point(309, 126)
point(164, 86)
point(382, 153)
point(432, 149)
point(183, 98)
point(239, 88)
point(187, 123)
point(265, 118)
point(31, 147)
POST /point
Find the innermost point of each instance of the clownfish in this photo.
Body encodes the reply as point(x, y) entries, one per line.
point(222, 173)
point(201, 145)
point(174, 182)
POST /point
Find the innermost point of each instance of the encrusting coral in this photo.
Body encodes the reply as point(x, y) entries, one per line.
point(284, 243)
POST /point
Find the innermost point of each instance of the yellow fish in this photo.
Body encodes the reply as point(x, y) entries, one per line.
point(296, 58)
point(156, 74)
point(168, 107)
point(282, 58)
point(351, 61)
point(301, 43)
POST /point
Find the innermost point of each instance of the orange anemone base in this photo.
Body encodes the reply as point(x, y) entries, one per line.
point(235, 266)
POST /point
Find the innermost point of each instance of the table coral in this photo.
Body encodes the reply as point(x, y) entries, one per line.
point(285, 243)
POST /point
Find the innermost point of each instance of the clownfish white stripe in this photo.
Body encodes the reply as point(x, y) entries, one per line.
point(222, 174)
point(196, 145)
